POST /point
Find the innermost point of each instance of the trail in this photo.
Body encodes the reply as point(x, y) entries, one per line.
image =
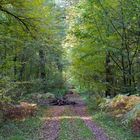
point(72, 113)
point(50, 129)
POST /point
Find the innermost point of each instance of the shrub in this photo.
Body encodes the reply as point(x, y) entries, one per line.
point(95, 101)
point(121, 104)
point(104, 104)
point(19, 112)
point(132, 118)
point(126, 108)
point(132, 114)
point(136, 126)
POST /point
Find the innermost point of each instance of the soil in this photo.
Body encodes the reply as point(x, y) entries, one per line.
point(51, 127)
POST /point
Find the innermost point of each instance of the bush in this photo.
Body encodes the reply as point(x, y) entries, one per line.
point(132, 118)
point(122, 104)
point(18, 112)
point(5, 87)
point(95, 101)
point(104, 104)
point(42, 96)
point(132, 114)
point(126, 108)
point(136, 126)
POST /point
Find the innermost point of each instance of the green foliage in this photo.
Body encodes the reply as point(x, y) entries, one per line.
point(59, 92)
point(113, 127)
point(38, 97)
point(30, 47)
point(125, 109)
point(94, 102)
point(74, 129)
point(131, 115)
point(103, 48)
point(6, 87)
point(27, 129)
point(17, 137)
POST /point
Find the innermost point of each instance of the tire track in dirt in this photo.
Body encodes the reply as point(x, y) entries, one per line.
point(73, 127)
point(81, 111)
point(55, 114)
point(51, 127)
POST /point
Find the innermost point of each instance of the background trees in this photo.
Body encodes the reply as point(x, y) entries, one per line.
point(105, 45)
point(30, 46)
point(102, 43)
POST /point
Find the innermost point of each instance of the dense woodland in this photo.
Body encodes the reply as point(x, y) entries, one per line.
point(104, 41)
point(48, 47)
point(31, 50)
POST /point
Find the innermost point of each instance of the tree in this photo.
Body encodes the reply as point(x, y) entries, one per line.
point(30, 46)
point(105, 45)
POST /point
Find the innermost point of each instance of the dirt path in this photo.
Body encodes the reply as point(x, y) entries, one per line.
point(81, 111)
point(56, 114)
point(50, 129)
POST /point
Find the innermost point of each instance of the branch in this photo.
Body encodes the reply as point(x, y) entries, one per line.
point(116, 57)
point(134, 55)
point(110, 19)
point(116, 62)
point(16, 17)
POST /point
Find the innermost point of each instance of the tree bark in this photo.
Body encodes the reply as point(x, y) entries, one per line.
point(42, 64)
point(108, 75)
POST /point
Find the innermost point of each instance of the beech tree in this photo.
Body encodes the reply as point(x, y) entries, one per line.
point(104, 41)
point(30, 46)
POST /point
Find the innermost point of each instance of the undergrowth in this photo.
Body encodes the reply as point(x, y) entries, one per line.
point(22, 130)
point(113, 127)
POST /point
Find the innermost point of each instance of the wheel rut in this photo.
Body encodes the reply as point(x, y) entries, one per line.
point(55, 114)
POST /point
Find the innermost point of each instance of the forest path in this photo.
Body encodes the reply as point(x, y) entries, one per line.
point(71, 122)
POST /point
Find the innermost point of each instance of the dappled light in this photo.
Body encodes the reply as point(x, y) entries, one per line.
point(69, 69)
point(68, 117)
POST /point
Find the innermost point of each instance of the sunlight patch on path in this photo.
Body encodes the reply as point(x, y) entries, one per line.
point(67, 117)
point(50, 129)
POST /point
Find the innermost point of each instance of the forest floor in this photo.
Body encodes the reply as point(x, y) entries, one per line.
point(71, 122)
point(67, 122)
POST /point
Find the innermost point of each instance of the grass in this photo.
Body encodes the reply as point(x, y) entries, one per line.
point(22, 130)
point(113, 127)
point(74, 129)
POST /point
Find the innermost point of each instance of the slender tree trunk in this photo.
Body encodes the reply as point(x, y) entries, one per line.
point(15, 67)
point(123, 71)
point(108, 75)
point(22, 70)
point(42, 70)
point(42, 65)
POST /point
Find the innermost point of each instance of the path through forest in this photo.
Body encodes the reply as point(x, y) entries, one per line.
point(71, 114)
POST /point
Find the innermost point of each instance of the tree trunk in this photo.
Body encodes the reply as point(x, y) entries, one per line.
point(15, 67)
point(108, 75)
point(42, 71)
point(42, 65)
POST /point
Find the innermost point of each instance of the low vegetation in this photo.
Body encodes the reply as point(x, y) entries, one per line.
point(49, 48)
point(113, 127)
point(74, 129)
point(26, 129)
point(118, 116)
